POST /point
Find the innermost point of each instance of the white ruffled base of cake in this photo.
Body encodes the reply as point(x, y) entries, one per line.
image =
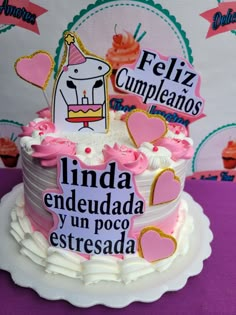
point(98, 268)
point(110, 293)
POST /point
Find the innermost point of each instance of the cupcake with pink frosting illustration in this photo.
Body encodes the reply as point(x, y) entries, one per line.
point(9, 143)
point(9, 152)
point(229, 155)
point(125, 50)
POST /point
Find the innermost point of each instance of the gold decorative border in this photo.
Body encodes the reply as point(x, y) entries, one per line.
point(154, 185)
point(31, 57)
point(162, 235)
point(149, 116)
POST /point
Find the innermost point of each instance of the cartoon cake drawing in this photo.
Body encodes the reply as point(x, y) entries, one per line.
point(80, 89)
point(229, 155)
point(125, 50)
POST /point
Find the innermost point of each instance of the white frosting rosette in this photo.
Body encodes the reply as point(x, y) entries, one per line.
point(159, 157)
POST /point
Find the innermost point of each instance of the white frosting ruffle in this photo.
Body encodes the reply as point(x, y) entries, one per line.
point(98, 268)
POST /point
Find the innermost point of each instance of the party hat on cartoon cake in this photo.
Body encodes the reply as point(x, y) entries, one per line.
point(75, 55)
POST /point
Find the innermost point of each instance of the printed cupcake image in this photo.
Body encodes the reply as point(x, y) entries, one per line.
point(229, 155)
point(125, 50)
point(9, 152)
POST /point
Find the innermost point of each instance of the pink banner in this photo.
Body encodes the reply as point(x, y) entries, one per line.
point(127, 102)
point(22, 13)
point(222, 18)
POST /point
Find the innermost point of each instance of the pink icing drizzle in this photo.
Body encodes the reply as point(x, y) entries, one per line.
point(83, 108)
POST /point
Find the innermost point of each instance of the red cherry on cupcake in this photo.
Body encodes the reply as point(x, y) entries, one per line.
point(117, 38)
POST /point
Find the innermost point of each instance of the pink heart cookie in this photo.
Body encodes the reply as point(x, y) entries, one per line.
point(156, 245)
point(144, 127)
point(35, 69)
point(166, 187)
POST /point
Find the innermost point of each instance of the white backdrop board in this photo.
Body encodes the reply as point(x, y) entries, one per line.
point(171, 27)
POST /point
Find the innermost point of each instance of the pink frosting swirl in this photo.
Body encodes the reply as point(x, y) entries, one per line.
point(44, 126)
point(44, 113)
point(133, 160)
point(50, 148)
point(180, 149)
point(178, 128)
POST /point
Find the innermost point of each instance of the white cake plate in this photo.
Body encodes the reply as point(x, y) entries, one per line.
point(148, 289)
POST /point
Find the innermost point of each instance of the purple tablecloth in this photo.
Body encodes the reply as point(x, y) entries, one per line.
point(211, 292)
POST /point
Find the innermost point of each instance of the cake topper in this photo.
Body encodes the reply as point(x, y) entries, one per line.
point(165, 85)
point(143, 127)
point(36, 69)
point(155, 245)
point(159, 193)
point(80, 93)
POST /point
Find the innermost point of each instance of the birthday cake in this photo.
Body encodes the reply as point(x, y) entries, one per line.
point(102, 198)
point(153, 209)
